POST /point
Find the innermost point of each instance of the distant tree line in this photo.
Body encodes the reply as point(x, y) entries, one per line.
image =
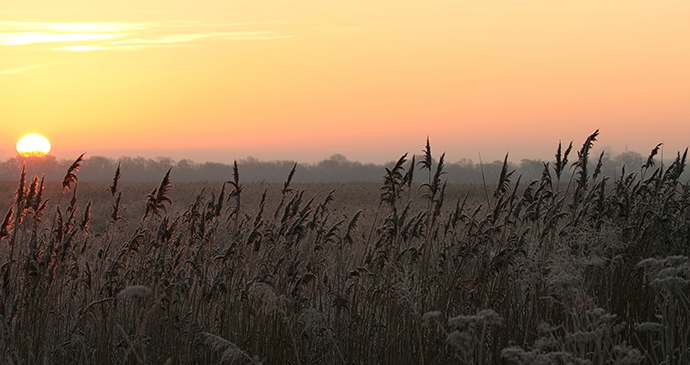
point(337, 168)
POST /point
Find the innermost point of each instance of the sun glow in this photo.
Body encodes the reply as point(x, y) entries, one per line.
point(33, 145)
point(363, 79)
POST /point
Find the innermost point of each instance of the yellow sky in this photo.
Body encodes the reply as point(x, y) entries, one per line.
point(223, 80)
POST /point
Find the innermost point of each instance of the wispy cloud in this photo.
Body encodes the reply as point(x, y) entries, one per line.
point(28, 38)
point(101, 36)
point(81, 48)
point(20, 70)
point(255, 35)
point(175, 38)
point(178, 38)
point(108, 47)
point(72, 27)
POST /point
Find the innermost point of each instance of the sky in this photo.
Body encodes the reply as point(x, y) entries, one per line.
point(219, 80)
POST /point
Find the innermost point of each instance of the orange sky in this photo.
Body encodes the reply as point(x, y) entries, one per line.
point(304, 79)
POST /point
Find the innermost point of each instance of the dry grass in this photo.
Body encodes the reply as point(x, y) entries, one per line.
point(543, 272)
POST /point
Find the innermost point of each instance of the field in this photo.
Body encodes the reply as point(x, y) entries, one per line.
point(588, 270)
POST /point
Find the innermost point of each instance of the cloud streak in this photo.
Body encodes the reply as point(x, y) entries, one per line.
point(20, 70)
point(28, 38)
point(87, 48)
point(102, 36)
point(180, 38)
point(81, 48)
point(71, 27)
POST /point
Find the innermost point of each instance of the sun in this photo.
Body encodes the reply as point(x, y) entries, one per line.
point(33, 145)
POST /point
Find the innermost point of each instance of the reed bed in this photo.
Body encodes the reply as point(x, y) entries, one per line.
point(592, 270)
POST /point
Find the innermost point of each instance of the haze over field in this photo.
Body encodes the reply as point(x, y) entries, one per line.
point(302, 80)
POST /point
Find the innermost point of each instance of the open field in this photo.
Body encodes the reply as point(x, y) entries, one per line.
point(588, 270)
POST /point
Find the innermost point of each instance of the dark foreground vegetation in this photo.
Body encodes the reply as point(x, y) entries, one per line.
point(583, 269)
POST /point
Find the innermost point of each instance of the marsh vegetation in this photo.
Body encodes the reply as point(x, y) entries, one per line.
point(572, 267)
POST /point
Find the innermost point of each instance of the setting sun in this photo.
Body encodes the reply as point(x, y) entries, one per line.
point(33, 145)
